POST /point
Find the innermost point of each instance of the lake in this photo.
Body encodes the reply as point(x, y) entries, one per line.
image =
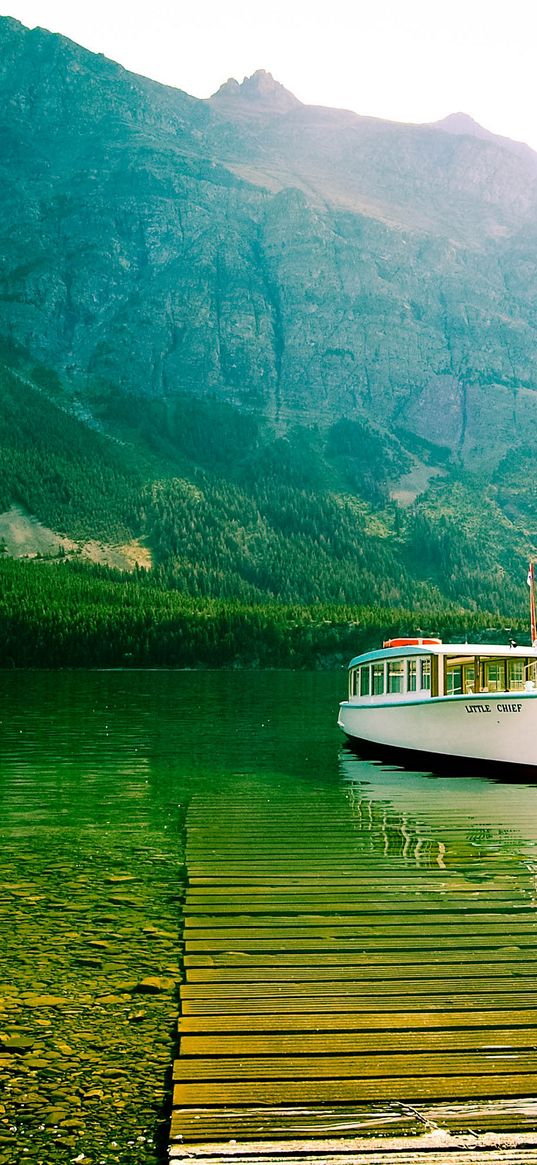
point(97, 774)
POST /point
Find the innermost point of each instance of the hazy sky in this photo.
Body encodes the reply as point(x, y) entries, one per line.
point(409, 60)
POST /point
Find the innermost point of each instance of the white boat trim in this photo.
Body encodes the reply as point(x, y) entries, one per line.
point(503, 697)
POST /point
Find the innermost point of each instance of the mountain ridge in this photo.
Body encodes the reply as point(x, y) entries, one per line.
point(296, 177)
point(283, 319)
point(462, 123)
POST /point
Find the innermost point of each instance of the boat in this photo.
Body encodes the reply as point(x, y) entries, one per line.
point(419, 698)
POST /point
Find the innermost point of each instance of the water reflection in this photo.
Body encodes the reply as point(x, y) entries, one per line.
point(494, 813)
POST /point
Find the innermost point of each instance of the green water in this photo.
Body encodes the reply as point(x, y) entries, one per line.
point(96, 772)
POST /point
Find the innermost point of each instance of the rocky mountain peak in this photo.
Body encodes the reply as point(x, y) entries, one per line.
point(259, 89)
point(461, 124)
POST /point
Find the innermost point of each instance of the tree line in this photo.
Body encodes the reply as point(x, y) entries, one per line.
point(73, 615)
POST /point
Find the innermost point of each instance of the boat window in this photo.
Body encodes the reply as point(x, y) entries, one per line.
point(460, 676)
point(365, 682)
point(426, 674)
point(454, 680)
point(494, 675)
point(352, 682)
point(516, 675)
point(395, 675)
point(411, 675)
point(378, 679)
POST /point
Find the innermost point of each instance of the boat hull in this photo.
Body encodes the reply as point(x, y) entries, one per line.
point(500, 729)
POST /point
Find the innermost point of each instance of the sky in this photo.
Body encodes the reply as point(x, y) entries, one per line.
point(405, 60)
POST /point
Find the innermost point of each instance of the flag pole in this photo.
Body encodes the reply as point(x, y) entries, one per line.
point(531, 584)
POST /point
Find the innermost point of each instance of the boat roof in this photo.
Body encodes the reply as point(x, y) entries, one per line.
point(471, 649)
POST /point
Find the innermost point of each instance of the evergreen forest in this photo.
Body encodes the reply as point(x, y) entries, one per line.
point(72, 614)
point(278, 549)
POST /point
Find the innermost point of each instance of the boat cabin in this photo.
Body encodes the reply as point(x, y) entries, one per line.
point(421, 669)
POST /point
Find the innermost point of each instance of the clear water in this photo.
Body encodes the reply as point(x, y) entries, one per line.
point(96, 773)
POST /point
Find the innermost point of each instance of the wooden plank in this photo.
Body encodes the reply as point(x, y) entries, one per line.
point(407, 872)
point(254, 874)
point(426, 943)
point(267, 876)
point(261, 851)
point(265, 844)
point(257, 857)
point(283, 973)
point(304, 1120)
point(253, 991)
point(323, 887)
point(350, 904)
point(369, 921)
point(379, 851)
point(356, 1067)
point(315, 1005)
point(276, 816)
point(279, 827)
point(288, 811)
point(280, 802)
point(370, 854)
point(311, 873)
point(222, 869)
point(392, 844)
point(251, 858)
point(393, 1088)
point(464, 925)
point(276, 825)
point(374, 959)
point(368, 1021)
point(364, 1157)
point(265, 880)
point(410, 912)
point(361, 1122)
point(450, 880)
point(334, 1042)
point(473, 912)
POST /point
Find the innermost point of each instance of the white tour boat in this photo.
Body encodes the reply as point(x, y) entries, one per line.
point(469, 700)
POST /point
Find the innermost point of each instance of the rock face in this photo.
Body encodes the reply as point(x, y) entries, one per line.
point(260, 89)
point(302, 262)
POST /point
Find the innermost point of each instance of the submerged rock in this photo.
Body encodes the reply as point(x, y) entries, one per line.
point(154, 984)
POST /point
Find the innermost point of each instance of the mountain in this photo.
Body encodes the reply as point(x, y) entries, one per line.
point(256, 93)
point(300, 261)
point(236, 328)
point(461, 123)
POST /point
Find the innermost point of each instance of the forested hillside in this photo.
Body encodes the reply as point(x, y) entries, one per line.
point(76, 615)
point(230, 510)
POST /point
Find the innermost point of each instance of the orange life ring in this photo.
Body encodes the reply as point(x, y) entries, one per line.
point(410, 642)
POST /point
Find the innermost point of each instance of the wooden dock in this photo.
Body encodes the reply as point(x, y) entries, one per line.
point(357, 988)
